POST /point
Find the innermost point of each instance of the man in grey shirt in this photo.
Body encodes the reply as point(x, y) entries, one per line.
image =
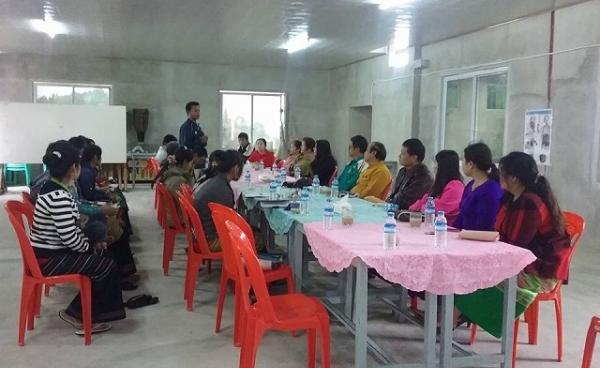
point(217, 190)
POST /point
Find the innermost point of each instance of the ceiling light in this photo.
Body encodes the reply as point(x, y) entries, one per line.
point(48, 24)
point(391, 4)
point(49, 27)
point(298, 41)
point(381, 50)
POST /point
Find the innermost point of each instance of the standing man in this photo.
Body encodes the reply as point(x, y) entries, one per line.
point(356, 150)
point(190, 134)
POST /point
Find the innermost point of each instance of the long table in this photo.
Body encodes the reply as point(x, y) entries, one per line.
point(415, 264)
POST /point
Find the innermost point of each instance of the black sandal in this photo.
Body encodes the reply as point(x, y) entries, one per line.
point(140, 301)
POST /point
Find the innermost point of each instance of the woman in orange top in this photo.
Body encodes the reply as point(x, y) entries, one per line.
point(261, 153)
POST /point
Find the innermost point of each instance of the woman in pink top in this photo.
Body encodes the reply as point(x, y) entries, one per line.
point(447, 188)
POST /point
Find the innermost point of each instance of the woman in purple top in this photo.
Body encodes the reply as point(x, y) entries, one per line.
point(481, 198)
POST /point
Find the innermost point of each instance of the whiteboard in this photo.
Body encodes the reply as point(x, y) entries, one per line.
point(26, 129)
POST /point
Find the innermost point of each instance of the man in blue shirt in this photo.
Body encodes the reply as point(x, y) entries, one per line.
point(190, 134)
point(349, 176)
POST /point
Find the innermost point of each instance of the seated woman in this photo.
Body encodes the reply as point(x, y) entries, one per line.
point(217, 189)
point(293, 156)
point(447, 187)
point(261, 153)
point(307, 156)
point(213, 161)
point(323, 166)
point(481, 197)
point(179, 173)
point(161, 155)
point(62, 248)
point(529, 218)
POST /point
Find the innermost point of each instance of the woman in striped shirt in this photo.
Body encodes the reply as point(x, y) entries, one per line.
point(61, 247)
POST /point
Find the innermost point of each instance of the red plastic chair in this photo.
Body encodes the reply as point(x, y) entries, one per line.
point(590, 341)
point(27, 197)
point(289, 312)
point(167, 209)
point(574, 225)
point(386, 191)
point(153, 168)
point(332, 176)
point(220, 215)
point(33, 280)
point(198, 250)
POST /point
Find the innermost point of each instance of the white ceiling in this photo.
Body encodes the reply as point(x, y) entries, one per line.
point(246, 32)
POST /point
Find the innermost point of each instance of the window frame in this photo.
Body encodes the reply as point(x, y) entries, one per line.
point(36, 84)
point(283, 109)
point(473, 76)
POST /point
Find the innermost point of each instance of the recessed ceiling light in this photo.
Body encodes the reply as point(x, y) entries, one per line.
point(298, 41)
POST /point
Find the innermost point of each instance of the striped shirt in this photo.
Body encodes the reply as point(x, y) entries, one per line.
point(55, 223)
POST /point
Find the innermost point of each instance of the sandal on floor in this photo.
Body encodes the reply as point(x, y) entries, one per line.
point(70, 320)
point(96, 328)
point(140, 301)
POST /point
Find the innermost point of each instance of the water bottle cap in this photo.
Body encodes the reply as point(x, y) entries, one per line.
point(440, 213)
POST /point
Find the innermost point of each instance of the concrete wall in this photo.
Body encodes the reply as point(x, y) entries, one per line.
point(165, 87)
point(575, 170)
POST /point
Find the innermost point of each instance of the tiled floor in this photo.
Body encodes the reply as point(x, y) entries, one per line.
point(166, 335)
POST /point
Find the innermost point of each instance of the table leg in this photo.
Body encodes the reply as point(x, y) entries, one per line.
point(349, 292)
point(508, 320)
point(360, 316)
point(119, 168)
point(125, 175)
point(446, 335)
point(297, 251)
point(430, 330)
point(133, 172)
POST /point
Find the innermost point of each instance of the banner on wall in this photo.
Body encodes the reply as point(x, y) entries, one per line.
point(538, 135)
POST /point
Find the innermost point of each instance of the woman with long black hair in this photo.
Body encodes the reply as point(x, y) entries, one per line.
point(447, 187)
point(530, 218)
point(481, 198)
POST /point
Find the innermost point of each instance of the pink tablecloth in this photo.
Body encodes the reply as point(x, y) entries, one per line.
point(463, 267)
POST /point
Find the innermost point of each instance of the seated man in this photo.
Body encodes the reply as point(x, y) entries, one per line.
point(161, 155)
point(349, 176)
point(414, 179)
point(374, 180)
point(245, 149)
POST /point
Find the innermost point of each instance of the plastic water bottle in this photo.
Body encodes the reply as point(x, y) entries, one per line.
point(389, 231)
point(295, 203)
point(261, 166)
point(247, 177)
point(304, 202)
point(429, 216)
point(316, 185)
point(273, 191)
point(274, 168)
point(335, 188)
point(328, 215)
point(441, 230)
point(297, 173)
point(283, 175)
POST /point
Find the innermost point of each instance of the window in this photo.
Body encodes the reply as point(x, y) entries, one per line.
point(260, 114)
point(474, 109)
point(71, 94)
